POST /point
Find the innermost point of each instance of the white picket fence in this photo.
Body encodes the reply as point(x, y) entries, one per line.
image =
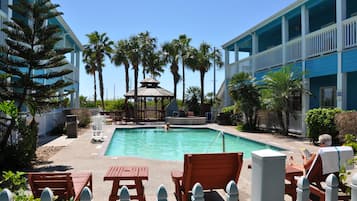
point(232, 193)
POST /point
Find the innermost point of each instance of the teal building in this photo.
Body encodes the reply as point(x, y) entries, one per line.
point(318, 37)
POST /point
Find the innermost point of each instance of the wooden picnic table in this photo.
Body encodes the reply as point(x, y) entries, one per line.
point(121, 173)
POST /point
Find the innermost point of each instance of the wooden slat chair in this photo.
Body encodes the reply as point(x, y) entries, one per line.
point(63, 185)
point(212, 171)
point(316, 176)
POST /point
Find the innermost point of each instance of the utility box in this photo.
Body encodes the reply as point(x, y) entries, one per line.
point(268, 175)
point(71, 126)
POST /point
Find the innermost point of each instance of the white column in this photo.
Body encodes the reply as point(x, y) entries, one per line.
point(341, 77)
point(72, 55)
point(255, 47)
point(227, 72)
point(268, 175)
point(9, 11)
point(306, 81)
point(236, 58)
point(78, 54)
point(284, 36)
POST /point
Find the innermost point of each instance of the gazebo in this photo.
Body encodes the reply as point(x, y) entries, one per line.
point(151, 91)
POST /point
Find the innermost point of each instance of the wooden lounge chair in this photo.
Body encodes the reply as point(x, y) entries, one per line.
point(212, 171)
point(64, 185)
point(317, 174)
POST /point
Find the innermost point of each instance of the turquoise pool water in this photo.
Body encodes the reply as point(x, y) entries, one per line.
point(155, 143)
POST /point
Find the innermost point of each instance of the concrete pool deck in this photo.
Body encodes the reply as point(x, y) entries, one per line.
point(82, 155)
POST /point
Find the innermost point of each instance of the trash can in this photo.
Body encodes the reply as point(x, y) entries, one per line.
point(71, 122)
point(208, 116)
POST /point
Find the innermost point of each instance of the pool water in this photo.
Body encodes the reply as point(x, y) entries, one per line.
point(171, 145)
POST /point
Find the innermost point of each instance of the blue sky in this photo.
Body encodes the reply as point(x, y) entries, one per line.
point(212, 21)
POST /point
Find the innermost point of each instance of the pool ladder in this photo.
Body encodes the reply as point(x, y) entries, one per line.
point(221, 133)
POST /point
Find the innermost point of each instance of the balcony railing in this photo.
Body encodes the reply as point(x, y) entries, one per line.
point(245, 65)
point(322, 41)
point(293, 50)
point(350, 32)
point(2, 34)
point(269, 58)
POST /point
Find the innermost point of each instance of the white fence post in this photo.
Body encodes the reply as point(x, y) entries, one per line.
point(268, 175)
point(47, 195)
point(161, 193)
point(331, 188)
point(124, 194)
point(86, 194)
point(302, 189)
point(354, 188)
point(6, 195)
point(232, 191)
point(197, 193)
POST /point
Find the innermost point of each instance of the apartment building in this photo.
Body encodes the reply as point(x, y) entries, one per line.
point(317, 37)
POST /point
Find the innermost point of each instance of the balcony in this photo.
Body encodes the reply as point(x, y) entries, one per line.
point(244, 65)
point(293, 50)
point(322, 41)
point(269, 58)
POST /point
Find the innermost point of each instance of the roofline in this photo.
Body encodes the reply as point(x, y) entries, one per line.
point(265, 22)
point(70, 32)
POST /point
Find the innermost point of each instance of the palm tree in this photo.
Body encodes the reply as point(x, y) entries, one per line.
point(172, 55)
point(245, 93)
point(277, 90)
point(120, 57)
point(101, 46)
point(200, 59)
point(154, 64)
point(148, 46)
point(90, 67)
point(135, 58)
point(184, 47)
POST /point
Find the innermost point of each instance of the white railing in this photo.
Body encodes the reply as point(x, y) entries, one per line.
point(322, 41)
point(293, 50)
point(245, 65)
point(233, 68)
point(2, 34)
point(350, 32)
point(269, 58)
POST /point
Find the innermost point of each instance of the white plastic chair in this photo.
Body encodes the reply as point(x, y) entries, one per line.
point(97, 128)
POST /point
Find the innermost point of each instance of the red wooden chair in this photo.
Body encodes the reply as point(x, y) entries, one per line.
point(212, 171)
point(64, 185)
point(317, 176)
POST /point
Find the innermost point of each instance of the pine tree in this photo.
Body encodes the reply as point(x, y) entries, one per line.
point(31, 62)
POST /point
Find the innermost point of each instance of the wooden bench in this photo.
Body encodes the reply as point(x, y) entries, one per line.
point(64, 185)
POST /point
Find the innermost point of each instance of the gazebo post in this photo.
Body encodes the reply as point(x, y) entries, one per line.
point(144, 108)
point(155, 107)
point(162, 108)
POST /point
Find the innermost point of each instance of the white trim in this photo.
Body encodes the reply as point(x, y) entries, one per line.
point(69, 31)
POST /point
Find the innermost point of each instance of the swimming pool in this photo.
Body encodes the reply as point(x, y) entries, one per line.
point(156, 143)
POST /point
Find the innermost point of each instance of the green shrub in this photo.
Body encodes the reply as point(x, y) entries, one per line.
point(229, 109)
point(320, 121)
point(84, 118)
point(350, 140)
point(16, 183)
point(116, 105)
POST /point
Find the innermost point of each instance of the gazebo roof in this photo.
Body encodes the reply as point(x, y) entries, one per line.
point(150, 88)
point(150, 80)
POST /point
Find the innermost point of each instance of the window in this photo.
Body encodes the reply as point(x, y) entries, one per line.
point(328, 96)
point(295, 101)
